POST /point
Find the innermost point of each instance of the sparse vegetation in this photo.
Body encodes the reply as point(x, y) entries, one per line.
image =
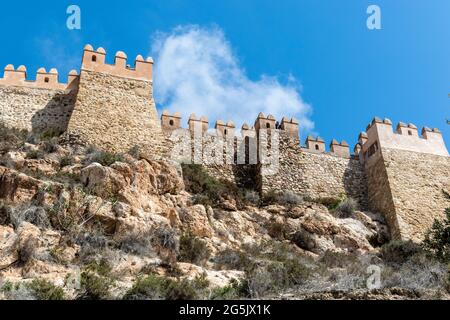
point(96, 281)
point(347, 208)
point(437, 240)
point(35, 154)
point(289, 198)
point(27, 250)
point(11, 139)
point(45, 290)
point(330, 202)
point(103, 157)
point(49, 134)
point(155, 287)
point(252, 197)
point(193, 250)
point(207, 189)
point(277, 230)
point(286, 198)
point(66, 160)
point(235, 290)
point(399, 251)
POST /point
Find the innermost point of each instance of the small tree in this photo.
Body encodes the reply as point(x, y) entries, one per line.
point(437, 240)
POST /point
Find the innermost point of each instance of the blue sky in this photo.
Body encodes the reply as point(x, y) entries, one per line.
point(314, 55)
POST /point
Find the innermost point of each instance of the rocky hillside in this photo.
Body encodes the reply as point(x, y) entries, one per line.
point(78, 223)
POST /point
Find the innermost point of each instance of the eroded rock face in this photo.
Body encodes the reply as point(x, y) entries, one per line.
point(8, 247)
point(132, 183)
point(18, 187)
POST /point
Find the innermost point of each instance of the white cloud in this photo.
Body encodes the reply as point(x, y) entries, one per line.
point(56, 55)
point(197, 72)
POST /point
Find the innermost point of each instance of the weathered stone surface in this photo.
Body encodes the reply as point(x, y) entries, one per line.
point(36, 109)
point(132, 183)
point(409, 188)
point(315, 175)
point(116, 113)
point(8, 247)
point(18, 187)
point(195, 220)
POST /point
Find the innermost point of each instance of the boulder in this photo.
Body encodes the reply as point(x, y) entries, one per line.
point(195, 220)
point(8, 247)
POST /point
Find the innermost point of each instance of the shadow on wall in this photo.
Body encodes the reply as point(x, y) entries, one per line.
point(355, 183)
point(246, 176)
point(55, 115)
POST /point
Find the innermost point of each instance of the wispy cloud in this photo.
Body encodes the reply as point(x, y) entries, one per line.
point(196, 71)
point(55, 54)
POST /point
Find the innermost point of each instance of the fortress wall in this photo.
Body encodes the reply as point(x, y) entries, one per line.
point(379, 192)
point(35, 109)
point(181, 144)
point(316, 175)
point(416, 182)
point(116, 113)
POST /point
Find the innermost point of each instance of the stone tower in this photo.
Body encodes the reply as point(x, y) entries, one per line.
point(115, 109)
point(407, 176)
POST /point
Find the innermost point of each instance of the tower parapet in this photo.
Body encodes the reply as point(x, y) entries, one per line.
point(95, 60)
point(340, 149)
point(380, 134)
point(315, 145)
point(263, 122)
point(199, 125)
point(290, 127)
point(170, 122)
point(225, 129)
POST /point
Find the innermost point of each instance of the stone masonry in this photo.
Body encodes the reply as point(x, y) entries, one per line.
point(400, 173)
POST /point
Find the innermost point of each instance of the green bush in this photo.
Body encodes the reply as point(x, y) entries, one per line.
point(330, 202)
point(155, 287)
point(11, 138)
point(207, 189)
point(437, 240)
point(233, 260)
point(105, 158)
point(277, 230)
point(281, 197)
point(49, 134)
point(45, 290)
point(66, 160)
point(235, 290)
point(270, 197)
point(193, 250)
point(269, 267)
point(399, 252)
point(96, 282)
point(35, 155)
point(8, 286)
point(347, 208)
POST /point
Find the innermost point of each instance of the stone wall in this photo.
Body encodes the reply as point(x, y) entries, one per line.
point(243, 176)
point(36, 109)
point(416, 183)
point(116, 114)
point(379, 192)
point(316, 175)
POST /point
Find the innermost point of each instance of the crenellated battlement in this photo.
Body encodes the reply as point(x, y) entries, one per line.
point(95, 60)
point(317, 145)
point(44, 80)
point(170, 122)
point(380, 134)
